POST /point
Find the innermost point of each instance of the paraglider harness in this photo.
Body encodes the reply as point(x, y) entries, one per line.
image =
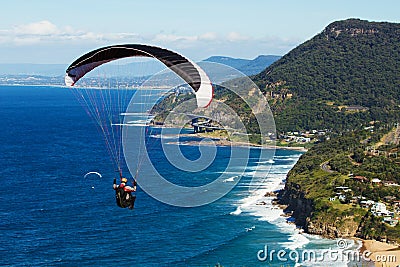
point(124, 198)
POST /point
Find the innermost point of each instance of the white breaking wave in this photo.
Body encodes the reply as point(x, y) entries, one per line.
point(296, 239)
point(238, 211)
point(270, 161)
point(341, 258)
point(286, 158)
point(230, 179)
point(258, 205)
point(138, 121)
point(259, 168)
point(250, 228)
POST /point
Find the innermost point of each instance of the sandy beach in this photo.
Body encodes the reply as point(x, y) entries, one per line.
point(383, 254)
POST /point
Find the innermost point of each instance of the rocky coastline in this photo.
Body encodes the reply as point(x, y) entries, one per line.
point(299, 211)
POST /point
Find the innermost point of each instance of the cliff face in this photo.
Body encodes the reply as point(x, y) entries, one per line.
point(296, 202)
point(339, 228)
point(302, 211)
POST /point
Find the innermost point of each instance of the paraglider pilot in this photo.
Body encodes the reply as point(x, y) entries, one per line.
point(123, 193)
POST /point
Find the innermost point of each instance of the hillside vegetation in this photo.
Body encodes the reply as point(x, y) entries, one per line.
point(343, 77)
point(346, 80)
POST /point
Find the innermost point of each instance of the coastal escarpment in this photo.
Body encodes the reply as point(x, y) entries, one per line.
point(332, 227)
point(296, 203)
point(340, 202)
point(324, 224)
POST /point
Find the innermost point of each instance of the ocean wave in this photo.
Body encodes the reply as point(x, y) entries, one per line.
point(270, 161)
point(321, 245)
point(296, 239)
point(258, 205)
point(138, 121)
point(230, 179)
point(248, 229)
point(259, 167)
point(287, 158)
point(143, 114)
point(238, 211)
point(281, 168)
point(237, 173)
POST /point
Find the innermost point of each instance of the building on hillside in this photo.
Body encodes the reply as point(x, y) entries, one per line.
point(389, 220)
point(379, 209)
point(390, 183)
point(355, 108)
point(376, 181)
point(367, 203)
point(342, 189)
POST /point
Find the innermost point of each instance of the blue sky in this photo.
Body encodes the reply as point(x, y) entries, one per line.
point(45, 31)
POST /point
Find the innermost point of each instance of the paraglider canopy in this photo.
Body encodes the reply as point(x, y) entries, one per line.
point(89, 173)
point(189, 71)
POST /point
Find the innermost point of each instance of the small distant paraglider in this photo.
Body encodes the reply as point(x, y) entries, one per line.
point(89, 173)
point(92, 173)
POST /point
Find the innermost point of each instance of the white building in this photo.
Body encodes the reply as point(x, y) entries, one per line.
point(376, 181)
point(379, 209)
point(367, 203)
point(390, 183)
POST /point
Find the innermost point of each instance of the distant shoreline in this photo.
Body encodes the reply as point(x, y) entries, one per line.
point(223, 142)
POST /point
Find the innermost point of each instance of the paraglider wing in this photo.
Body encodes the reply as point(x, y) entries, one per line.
point(97, 173)
point(189, 71)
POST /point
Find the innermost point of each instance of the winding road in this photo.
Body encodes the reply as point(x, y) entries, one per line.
point(325, 166)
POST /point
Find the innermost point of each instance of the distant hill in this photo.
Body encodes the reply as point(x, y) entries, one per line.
point(247, 66)
point(149, 67)
point(351, 63)
point(33, 69)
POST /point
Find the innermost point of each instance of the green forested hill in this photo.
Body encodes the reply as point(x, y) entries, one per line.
point(342, 79)
point(350, 63)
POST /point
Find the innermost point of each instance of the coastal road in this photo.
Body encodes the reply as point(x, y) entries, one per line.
point(325, 166)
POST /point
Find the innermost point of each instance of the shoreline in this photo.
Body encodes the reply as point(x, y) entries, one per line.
point(381, 253)
point(223, 142)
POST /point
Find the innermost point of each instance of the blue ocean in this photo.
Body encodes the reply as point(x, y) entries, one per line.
point(50, 215)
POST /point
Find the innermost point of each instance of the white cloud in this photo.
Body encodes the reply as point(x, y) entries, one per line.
point(208, 36)
point(37, 28)
point(236, 37)
point(169, 38)
point(46, 36)
point(45, 32)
